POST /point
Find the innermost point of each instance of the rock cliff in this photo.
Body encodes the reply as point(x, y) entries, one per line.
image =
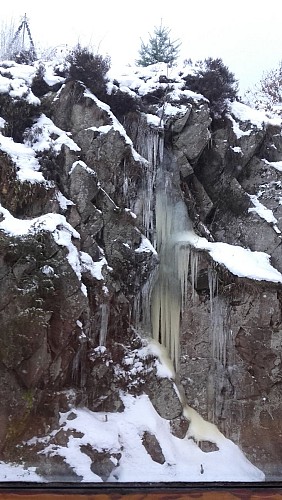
point(160, 223)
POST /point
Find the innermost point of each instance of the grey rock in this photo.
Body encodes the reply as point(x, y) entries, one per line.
point(164, 397)
point(153, 447)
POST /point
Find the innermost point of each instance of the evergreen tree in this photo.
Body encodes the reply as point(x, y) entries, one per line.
point(160, 48)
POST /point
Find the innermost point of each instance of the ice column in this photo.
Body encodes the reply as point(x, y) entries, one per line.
point(177, 261)
point(149, 144)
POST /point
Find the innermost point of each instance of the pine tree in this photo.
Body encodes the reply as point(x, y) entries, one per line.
point(160, 48)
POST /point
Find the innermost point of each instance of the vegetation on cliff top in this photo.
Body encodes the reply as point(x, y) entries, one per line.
point(160, 48)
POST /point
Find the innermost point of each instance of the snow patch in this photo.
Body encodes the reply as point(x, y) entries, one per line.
point(95, 268)
point(240, 261)
point(63, 201)
point(145, 246)
point(263, 212)
point(275, 164)
point(41, 136)
point(25, 160)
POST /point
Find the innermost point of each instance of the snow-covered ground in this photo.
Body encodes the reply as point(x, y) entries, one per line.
point(123, 432)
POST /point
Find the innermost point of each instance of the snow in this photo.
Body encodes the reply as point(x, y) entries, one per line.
point(145, 246)
point(240, 261)
point(237, 130)
point(24, 72)
point(170, 110)
point(275, 164)
point(62, 232)
point(143, 80)
point(83, 165)
point(115, 125)
point(63, 201)
point(13, 472)
point(122, 433)
point(132, 214)
point(154, 120)
point(2, 123)
point(237, 149)
point(24, 158)
point(177, 94)
point(49, 77)
point(139, 81)
point(263, 212)
point(41, 136)
point(245, 113)
point(48, 270)
point(15, 80)
point(95, 268)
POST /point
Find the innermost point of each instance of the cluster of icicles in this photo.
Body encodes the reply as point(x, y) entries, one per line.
point(164, 296)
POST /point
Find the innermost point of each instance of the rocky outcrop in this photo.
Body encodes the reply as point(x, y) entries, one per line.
point(231, 342)
point(78, 269)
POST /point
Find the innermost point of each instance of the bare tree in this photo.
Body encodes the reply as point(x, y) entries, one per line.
point(17, 43)
point(267, 93)
point(7, 33)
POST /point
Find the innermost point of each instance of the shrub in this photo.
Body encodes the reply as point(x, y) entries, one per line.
point(160, 48)
point(24, 56)
point(215, 82)
point(18, 114)
point(121, 103)
point(39, 87)
point(89, 68)
point(156, 96)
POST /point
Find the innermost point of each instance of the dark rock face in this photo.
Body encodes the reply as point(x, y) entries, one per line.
point(73, 315)
point(231, 371)
point(231, 355)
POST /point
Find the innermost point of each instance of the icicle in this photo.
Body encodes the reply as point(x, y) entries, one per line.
point(149, 144)
point(125, 183)
point(219, 331)
point(194, 272)
point(213, 285)
point(183, 258)
point(78, 362)
point(105, 310)
point(142, 305)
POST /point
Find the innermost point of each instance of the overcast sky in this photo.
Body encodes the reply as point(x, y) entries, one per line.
point(246, 34)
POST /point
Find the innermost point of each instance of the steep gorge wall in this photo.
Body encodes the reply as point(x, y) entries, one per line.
point(88, 282)
point(231, 335)
point(230, 327)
